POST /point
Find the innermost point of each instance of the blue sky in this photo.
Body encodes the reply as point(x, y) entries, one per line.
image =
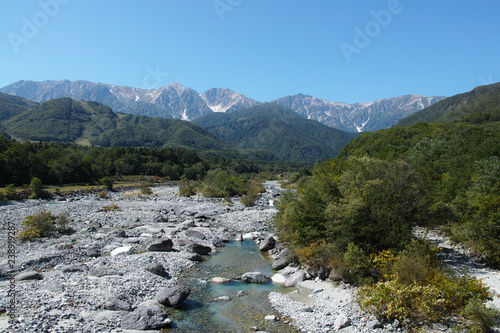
point(348, 51)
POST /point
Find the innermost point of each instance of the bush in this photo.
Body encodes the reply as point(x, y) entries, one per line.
point(248, 200)
point(425, 299)
point(42, 225)
point(111, 208)
point(107, 182)
point(145, 189)
point(9, 192)
point(355, 265)
point(102, 194)
point(187, 187)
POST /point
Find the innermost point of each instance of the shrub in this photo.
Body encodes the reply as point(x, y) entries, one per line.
point(356, 264)
point(111, 208)
point(187, 187)
point(107, 182)
point(9, 192)
point(482, 318)
point(416, 264)
point(442, 296)
point(102, 194)
point(248, 200)
point(42, 225)
point(145, 189)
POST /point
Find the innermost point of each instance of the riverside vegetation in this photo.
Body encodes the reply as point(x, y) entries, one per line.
point(356, 213)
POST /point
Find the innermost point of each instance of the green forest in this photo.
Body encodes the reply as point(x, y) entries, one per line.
point(62, 163)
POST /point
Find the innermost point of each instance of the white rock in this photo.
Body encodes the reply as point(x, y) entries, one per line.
point(278, 278)
point(218, 279)
point(122, 250)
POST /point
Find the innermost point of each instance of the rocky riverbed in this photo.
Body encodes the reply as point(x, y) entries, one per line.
point(109, 274)
point(89, 280)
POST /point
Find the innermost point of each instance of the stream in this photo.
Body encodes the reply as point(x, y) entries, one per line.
point(240, 314)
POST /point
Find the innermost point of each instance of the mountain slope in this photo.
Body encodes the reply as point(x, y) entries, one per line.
point(67, 120)
point(277, 129)
point(483, 99)
point(359, 117)
point(226, 100)
point(11, 106)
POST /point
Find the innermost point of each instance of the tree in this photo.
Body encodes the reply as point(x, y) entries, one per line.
point(36, 188)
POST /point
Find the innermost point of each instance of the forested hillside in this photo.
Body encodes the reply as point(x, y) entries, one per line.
point(67, 120)
point(279, 130)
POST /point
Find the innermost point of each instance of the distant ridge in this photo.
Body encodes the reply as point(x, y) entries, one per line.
point(484, 101)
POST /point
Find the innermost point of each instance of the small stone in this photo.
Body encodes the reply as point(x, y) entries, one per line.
point(271, 318)
point(93, 252)
point(31, 275)
point(156, 268)
point(220, 280)
point(278, 278)
point(217, 242)
point(221, 299)
point(75, 268)
point(342, 321)
point(374, 324)
point(116, 304)
point(124, 250)
point(104, 271)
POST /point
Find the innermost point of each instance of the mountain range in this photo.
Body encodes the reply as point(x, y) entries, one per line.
point(179, 102)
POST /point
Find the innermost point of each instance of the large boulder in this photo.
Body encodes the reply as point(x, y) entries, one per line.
point(198, 248)
point(161, 245)
point(281, 261)
point(254, 277)
point(295, 278)
point(267, 244)
point(173, 296)
point(146, 318)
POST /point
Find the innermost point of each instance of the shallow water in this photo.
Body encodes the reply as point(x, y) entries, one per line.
point(239, 314)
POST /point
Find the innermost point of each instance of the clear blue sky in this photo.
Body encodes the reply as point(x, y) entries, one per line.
point(264, 49)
